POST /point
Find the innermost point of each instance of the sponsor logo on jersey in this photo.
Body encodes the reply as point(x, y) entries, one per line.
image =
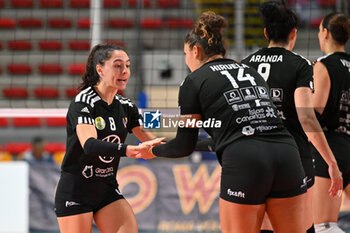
point(248, 93)
point(248, 130)
point(104, 172)
point(237, 107)
point(100, 123)
point(276, 94)
point(87, 171)
point(257, 114)
point(71, 203)
point(151, 119)
point(344, 97)
point(281, 114)
point(262, 92)
point(125, 121)
point(239, 194)
point(85, 110)
point(111, 138)
point(232, 96)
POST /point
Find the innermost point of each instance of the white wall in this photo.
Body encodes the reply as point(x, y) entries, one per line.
point(14, 196)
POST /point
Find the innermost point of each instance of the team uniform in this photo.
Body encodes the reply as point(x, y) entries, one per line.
point(285, 71)
point(87, 182)
point(259, 157)
point(335, 118)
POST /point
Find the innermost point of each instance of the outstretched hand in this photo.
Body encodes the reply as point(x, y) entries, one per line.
point(154, 142)
point(144, 150)
point(133, 151)
point(336, 188)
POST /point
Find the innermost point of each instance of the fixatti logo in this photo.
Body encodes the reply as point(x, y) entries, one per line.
point(239, 194)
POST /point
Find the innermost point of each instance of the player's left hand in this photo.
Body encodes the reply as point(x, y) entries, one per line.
point(336, 188)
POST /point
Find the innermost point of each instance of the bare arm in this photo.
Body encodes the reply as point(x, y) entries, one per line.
point(143, 134)
point(84, 132)
point(314, 132)
point(322, 86)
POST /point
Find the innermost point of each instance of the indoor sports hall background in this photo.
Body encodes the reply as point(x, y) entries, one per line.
point(44, 45)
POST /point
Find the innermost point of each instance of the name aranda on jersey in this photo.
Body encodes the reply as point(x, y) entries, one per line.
point(266, 58)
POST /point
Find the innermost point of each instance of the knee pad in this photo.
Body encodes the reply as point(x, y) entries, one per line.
point(328, 227)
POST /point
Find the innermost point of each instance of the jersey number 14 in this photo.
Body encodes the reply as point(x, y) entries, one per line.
point(240, 77)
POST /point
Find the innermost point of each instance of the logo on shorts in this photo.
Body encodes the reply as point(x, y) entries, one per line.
point(117, 191)
point(71, 203)
point(151, 119)
point(305, 180)
point(239, 194)
point(100, 123)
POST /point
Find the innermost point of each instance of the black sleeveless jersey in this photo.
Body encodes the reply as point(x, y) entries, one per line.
point(285, 71)
point(336, 115)
point(112, 123)
point(233, 94)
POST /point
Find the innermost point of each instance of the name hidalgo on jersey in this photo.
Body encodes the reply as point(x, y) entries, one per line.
point(266, 58)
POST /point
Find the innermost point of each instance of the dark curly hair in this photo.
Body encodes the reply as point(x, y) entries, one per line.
point(207, 33)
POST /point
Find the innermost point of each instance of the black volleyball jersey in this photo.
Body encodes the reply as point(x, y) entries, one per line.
point(233, 94)
point(112, 123)
point(285, 71)
point(336, 115)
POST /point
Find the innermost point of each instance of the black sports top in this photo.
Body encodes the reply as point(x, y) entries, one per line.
point(232, 94)
point(112, 123)
point(285, 71)
point(336, 115)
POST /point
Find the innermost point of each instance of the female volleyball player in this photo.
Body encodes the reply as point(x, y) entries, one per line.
point(98, 121)
point(290, 78)
point(331, 100)
point(261, 167)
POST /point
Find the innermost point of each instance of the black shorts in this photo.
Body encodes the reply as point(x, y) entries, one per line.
point(306, 158)
point(309, 168)
point(76, 196)
point(340, 146)
point(254, 170)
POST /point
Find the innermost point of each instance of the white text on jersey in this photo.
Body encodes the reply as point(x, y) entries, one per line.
point(221, 67)
point(266, 58)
